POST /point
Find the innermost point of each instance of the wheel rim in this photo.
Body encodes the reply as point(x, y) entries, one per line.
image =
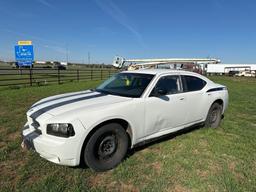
point(107, 147)
point(214, 116)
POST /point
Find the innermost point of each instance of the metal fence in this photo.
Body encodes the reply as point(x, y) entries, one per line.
point(31, 77)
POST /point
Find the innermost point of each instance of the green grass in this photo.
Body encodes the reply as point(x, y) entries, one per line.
point(222, 159)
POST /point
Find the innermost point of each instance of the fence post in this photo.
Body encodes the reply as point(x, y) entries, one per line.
point(58, 76)
point(101, 74)
point(108, 73)
point(91, 74)
point(30, 77)
point(77, 74)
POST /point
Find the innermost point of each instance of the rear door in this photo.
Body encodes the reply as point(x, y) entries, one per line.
point(193, 91)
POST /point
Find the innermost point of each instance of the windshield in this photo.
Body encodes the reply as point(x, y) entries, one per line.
point(126, 84)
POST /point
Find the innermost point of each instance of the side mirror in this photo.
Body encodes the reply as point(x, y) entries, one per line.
point(159, 92)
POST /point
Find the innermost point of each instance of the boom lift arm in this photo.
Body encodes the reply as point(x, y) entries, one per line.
point(120, 62)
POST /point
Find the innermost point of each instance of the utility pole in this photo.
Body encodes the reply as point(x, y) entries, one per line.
point(67, 53)
point(89, 58)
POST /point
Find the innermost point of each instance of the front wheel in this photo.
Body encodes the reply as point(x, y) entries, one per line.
point(106, 147)
point(214, 116)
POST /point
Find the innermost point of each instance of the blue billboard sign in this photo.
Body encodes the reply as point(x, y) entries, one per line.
point(24, 55)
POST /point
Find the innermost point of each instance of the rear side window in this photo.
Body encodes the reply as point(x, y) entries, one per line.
point(191, 83)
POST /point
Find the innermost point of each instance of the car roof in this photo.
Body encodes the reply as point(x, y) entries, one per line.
point(159, 72)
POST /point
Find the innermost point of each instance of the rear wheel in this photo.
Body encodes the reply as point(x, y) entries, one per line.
point(214, 116)
point(106, 147)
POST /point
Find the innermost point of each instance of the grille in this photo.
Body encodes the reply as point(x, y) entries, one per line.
point(38, 131)
point(36, 125)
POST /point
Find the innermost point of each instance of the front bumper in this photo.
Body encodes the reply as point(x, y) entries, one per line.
point(27, 142)
point(61, 151)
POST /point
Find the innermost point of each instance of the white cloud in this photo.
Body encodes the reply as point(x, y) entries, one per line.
point(57, 49)
point(49, 44)
point(45, 3)
point(119, 16)
point(26, 36)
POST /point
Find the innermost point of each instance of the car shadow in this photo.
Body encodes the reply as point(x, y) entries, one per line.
point(146, 144)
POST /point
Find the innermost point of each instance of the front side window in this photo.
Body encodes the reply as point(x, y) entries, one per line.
point(168, 84)
point(192, 83)
point(126, 84)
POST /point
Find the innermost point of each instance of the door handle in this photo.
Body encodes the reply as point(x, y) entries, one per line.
point(182, 98)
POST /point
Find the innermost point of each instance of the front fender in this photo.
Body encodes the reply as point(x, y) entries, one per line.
point(91, 127)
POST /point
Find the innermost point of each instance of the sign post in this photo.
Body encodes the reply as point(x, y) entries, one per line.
point(24, 54)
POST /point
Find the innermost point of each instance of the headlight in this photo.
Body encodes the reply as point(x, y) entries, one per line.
point(60, 129)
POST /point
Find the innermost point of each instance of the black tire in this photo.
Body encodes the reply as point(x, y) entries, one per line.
point(214, 116)
point(106, 148)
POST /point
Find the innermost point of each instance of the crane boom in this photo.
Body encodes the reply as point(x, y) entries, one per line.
point(120, 62)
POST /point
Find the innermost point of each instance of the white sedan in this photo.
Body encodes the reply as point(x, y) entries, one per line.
point(98, 126)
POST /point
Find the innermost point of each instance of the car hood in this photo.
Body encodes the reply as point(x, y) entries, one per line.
point(59, 104)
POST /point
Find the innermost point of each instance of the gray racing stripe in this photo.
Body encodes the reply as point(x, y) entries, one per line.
point(45, 109)
point(63, 97)
point(215, 89)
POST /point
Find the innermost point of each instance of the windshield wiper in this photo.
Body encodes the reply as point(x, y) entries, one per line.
point(102, 91)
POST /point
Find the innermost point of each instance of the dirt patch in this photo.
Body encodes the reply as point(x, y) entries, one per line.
point(10, 170)
point(196, 152)
point(2, 131)
point(203, 143)
point(2, 144)
point(128, 187)
point(98, 179)
point(214, 168)
point(232, 167)
point(13, 136)
point(179, 188)
point(157, 166)
point(104, 180)
point(202, 173)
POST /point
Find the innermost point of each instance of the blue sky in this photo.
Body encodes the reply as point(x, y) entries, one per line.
point(225, 29)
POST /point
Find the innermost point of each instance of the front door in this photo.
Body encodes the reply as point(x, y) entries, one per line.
point(165, 108)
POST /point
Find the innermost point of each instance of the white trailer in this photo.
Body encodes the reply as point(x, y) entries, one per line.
point(226, 68)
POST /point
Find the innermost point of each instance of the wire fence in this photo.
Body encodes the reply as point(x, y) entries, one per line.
point(37, 77)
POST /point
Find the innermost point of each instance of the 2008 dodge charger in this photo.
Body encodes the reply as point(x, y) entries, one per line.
point(98, 126)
